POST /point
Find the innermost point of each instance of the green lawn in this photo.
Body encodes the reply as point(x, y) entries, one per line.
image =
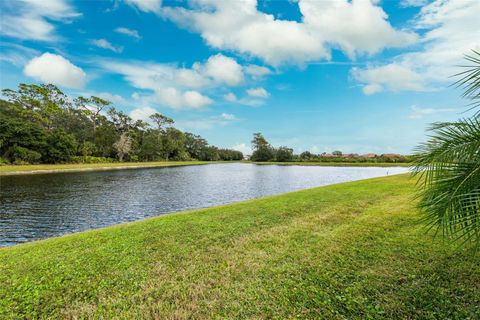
point(346, 251)
point(14, 169)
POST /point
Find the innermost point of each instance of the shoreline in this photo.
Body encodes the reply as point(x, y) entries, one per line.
point(83, 167)
point(14, 170)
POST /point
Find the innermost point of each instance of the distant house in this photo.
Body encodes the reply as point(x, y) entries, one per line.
point(327, 155)
point(350, 155)
point(369, 155)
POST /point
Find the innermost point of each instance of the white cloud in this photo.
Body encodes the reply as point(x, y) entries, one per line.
point(105, 44)
point(114, 98)
point(258, 92)
point(129, 32)
point(418, 113)
point(243, 148)
point(52, 68)
point(148, 75)
point(231, 97)
point(451, 29)
point(177, 99)
point(392, 77)
point(240, 27)
point(224, 69)
point(179, 87)
point(372, 88)
point(15, 54)
point(228, 116)
point(207, 123)
point(413, 3)
point(33, 20)
point(146, 5)
point(257, 72)
point(142, 113)
point(364, 27)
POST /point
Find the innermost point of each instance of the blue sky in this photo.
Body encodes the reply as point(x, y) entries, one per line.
point(358, 76)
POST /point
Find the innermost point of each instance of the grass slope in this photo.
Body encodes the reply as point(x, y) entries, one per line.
point(353, 250)
point(52, 168)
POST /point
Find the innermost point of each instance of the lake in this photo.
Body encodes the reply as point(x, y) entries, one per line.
point(39, 206)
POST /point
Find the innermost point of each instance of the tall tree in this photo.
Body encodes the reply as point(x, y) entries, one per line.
point(45, 102)
point(262, 150)
point(195, 145)
point(161, 121)
point(92, 107)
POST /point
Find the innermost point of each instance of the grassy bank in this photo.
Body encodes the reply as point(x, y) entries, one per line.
point(50, 168)
point(338, 164)
point(352, 250)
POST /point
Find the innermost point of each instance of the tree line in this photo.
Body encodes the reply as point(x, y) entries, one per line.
point(40, 124)
point(263, 151)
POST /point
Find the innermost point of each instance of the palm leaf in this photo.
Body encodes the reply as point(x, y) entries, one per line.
point(448, 167)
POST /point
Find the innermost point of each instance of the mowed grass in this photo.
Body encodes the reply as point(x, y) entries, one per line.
point(12, 169)
point(348, 251)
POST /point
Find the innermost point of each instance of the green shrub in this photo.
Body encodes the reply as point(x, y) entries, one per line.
point(21, 154)
point(4, 161)
point(87, 149)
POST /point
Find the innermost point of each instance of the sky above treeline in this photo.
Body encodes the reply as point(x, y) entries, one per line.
point(357, 76)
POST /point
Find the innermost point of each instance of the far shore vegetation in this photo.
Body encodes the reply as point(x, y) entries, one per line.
point(39, 124)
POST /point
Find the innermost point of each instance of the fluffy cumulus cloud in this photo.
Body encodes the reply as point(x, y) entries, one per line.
point(224, 69)
point(258, 92)
point(53, 68)
point(179, 87)
point(390, 77)
point(129, 32)
point(33, 19)
point(178, 99)
point(105, 44)
point(146, 5)
point(142, 113)
point(451, 29)
point(357, 27)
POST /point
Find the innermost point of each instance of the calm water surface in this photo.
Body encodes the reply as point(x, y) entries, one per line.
point(40, 206)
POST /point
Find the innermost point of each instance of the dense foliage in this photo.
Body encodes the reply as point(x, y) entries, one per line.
point(449, 168)
point(40, 124)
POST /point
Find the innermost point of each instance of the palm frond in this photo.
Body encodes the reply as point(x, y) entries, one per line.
point(449, 168)
point(469, 80)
